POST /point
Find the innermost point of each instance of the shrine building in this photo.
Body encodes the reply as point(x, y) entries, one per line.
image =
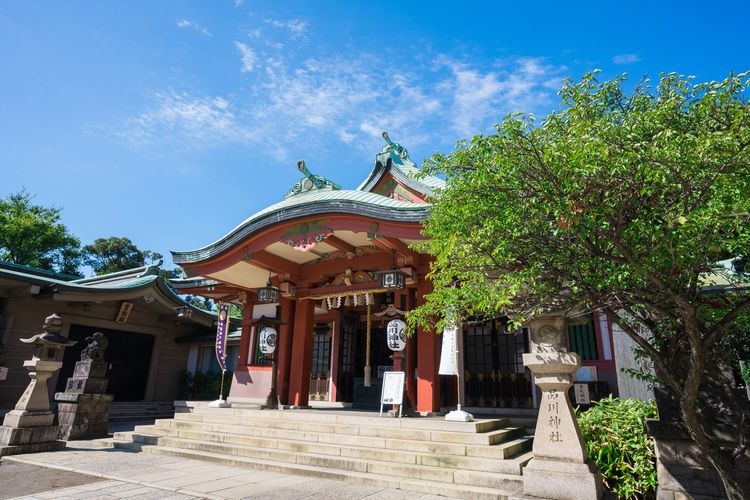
point(328, 268)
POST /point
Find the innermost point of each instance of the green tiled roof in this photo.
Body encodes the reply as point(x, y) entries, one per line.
point(319, 202)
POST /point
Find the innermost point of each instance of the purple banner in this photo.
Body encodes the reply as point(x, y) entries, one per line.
point(222, 325)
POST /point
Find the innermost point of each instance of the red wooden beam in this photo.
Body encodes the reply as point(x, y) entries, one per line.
point(342, 245)
point(397, 245)
point(273, 263)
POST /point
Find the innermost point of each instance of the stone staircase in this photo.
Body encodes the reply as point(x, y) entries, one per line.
point(120, 411)
point(477, 460)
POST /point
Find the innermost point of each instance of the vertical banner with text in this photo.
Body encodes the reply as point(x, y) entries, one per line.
point(222, 325)
point(449, 352)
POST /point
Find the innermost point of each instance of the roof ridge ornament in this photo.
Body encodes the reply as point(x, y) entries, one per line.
point(397, 153)
point(310, 182)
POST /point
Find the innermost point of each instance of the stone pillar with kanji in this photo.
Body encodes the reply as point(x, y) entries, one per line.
point(29, 427)
point(560, 468)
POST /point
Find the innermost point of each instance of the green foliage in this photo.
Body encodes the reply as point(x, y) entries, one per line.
point(207, 304)
point(202, 386)
point(615, 434)
point(33, 235)
point(109, 255)
point(619, 202)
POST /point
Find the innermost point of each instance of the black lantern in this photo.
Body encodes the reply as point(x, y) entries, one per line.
point(268, 294)
point(393, 279)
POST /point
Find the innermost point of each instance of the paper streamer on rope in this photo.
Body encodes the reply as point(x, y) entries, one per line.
point(449, 352)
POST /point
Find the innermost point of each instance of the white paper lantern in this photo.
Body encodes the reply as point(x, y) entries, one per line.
point(396, 335)
point(267, 339)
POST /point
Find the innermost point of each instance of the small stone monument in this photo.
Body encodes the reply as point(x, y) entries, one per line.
point(29, 427)
point(560, 469)
point(83, 409)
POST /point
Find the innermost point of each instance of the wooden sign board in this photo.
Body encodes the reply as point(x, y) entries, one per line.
point(124, 313)
point(393, 389)
point(581, 392)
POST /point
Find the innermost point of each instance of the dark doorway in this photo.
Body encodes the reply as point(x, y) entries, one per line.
point(129, 356)
point(347, 357)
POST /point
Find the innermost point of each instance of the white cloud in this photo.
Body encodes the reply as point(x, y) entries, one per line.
point(297, 27)
point(626, 58)
point(248, 57)
point(480, 98)
point(185, 119)
point(186, 24)
point(350, 99)
point(238, 3)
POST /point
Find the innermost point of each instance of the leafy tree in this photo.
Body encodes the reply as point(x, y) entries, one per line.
point(33, 235)
point(109, 255)
point(622, 202)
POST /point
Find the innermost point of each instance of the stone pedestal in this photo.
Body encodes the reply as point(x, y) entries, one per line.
point(559, 469)
point(83, 409)
point(29, 427)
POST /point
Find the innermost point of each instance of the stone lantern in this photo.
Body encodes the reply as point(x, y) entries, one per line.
point(29, 426)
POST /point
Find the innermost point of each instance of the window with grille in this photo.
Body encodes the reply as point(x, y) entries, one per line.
point(478, 340)
point(510, 349)
point(321, 351)
point(583, 339)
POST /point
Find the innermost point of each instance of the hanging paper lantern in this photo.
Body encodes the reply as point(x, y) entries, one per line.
point(396, 335)
point(267, 340)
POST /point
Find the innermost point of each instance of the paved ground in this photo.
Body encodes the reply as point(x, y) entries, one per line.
point(110, 473)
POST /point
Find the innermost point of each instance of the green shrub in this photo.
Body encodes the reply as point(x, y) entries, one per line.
point(202, 386)
point(615, 434)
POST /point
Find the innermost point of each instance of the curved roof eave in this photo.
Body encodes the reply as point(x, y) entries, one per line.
point(347, 202)
point(403, 175)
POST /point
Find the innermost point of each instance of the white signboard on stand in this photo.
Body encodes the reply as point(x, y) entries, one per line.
point(3, 372)
point(393, 390)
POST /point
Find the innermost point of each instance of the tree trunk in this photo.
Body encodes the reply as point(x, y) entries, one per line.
point(719, 458)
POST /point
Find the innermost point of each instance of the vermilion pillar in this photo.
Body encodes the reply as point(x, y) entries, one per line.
point(284, 350)
point(411, 352)
point(247, 324)
point(428, 381)
point(302, 342)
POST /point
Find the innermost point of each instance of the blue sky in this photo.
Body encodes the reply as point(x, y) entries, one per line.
point(171, 122)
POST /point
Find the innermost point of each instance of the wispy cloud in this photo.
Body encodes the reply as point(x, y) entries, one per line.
point(480, 96)
point(238, 3)
point(185, 119)
point(249, 58)
point(296, 27)
point(186, 24)
point(626, 58)
point(350, 99)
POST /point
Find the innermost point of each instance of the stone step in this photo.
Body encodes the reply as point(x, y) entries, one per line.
point(457, 484)
point(497, 462)
point(455, 432)
point(508, 441)
point(288, 417)
point(139, 410)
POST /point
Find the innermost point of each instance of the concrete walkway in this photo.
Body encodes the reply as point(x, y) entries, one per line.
point(127, 474)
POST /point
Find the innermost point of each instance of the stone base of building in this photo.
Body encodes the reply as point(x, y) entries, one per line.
point(83, 416)
point(681, 469)
point(561, 480)
point(15, 441)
